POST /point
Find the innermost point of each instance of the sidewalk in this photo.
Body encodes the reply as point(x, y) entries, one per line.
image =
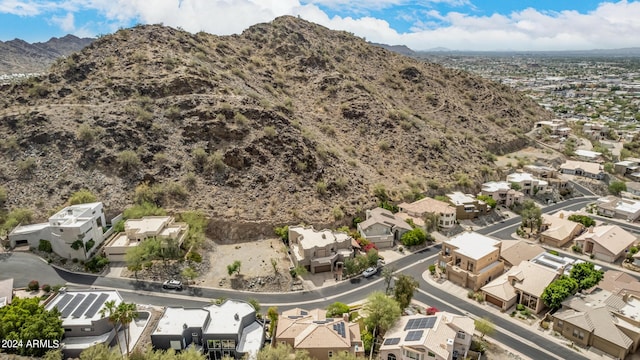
point(461, 293)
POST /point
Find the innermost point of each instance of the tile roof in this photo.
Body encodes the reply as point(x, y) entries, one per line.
point(516, 251)
point(559, 228)
point(613, 238)
point(528, 277)
point(386, 217)
point(427, 205)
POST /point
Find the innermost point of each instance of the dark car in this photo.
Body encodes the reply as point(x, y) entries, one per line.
point(172, 284)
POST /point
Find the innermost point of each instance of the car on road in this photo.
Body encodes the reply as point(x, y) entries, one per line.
point(370, 271)
point(172, 284)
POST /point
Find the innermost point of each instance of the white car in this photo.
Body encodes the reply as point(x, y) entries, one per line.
point(172, 284)
point(370, 271)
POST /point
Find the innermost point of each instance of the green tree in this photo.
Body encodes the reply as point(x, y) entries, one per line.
point(484, 327)
point(431, 220)
point(280, 352)
point(515, 186)
point(488, 200)
point(372, 257)
point(100, 352)
point(143, 209)
point(609, 167)
point(586, 275)
point(135, 257)
point(83, 196)
point(24, 320)
point(586, 221)
point(127, 313)
point(110, 311)
point(416, 236)
point(616, 187)
point(234, 267)
point(299, 270)
point(198, 224)
point(189, 273)
point(337, 309)
point(403, 290)
point(381, 312)
point(282, 232)
point(255, 303)
point(531, 215)
point(387, 275)
point(272, 314)
point(555, 293)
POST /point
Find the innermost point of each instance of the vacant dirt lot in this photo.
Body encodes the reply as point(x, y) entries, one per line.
point(256, 272)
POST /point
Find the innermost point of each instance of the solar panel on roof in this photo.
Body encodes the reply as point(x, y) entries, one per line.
point(84, 305)
point(430, 321)
point(342, 330)
point(96, 305)
point(64, 301)
point(423, 323)
point(414, 335)
point(391, 341)
point(72, 305)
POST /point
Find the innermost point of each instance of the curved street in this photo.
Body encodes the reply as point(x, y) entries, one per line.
point(24, 267)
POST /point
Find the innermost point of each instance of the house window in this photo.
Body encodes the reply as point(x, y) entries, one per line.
point(228, 344)
point(391, 357)
point(330, 354)
point(61, 230)
point(430, 354)
point(214, 344)
point(578, 334)
point(460, 335)
point(412, 355)
point(470, 267)
point(560, 323)
point(447, 251)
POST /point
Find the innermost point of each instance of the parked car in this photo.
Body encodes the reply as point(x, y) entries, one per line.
point(370, 271)
point(172, 284)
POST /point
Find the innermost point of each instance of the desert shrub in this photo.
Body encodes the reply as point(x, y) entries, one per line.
point(321, 187)
point(33, 285)
point(3, 196)
point(46, 288)
point(269, 131)
point(519, 307)
point(45, 246)
point(27, 166)
point(432, 269)
point(128, 160)
point(82, 196)
point(96, 264)
point(194, 256)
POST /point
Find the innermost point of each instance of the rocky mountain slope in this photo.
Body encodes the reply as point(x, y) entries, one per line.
point(18, 56)
point(287, 122)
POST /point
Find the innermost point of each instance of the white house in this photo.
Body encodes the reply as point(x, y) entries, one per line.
point(82, 224)
point(528, 184)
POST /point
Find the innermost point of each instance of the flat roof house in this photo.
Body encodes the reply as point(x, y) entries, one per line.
point(229, 329)
point(383, 228)
point(418, 209)
point(557, 231)
point(601, 320)
point(502, 193)
point(321, 337)
point(618, 208)
point(522, 284)
point(83, 223)
point(443, 336)
point(471, 259)
point(467, 207)
point(138, 230)
point(607, 243)
point(83, 324)
point(6, 292)
point(319, 251)
point(527, 183)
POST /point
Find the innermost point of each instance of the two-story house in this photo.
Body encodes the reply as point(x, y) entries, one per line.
point(137, 230)
point(527, 183)
point(443, 336)
point(74, 232)
point(382, 227)
point(84, 325)
point(229, 329)
point(417, 210)
point(467, 206)
point(471, 260)
point(322, 337)
point(319, 251)
point(502, 193)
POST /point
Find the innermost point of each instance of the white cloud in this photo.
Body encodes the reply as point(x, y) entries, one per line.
point(66, 23)
point(610, 25)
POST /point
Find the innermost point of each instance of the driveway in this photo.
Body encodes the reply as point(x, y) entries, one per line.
point(24, 267)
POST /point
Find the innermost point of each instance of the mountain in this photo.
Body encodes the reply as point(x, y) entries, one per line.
point(400, 49)
point(18, 56)
point(288, 122)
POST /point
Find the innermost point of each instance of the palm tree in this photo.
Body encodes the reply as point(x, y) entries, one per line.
point(110, 311)
point(127, 312)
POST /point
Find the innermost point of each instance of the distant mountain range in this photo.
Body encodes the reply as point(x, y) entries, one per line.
point(624, 52)
point(19, 56)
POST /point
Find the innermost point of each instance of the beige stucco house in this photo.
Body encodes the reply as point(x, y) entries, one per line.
point(522, 284)
point(614, 207)
point(443, 336)
point(602, 320)
point(321, 337)
point(558, 231)
point(583, 168)
point(620, 283)
point(138, 230)
point(319, 251)
point(607, 243)
point(502, 193)
point(467, 206)
point(513, 252)
point(418, 209)
point(471, 260)
point(382, 227)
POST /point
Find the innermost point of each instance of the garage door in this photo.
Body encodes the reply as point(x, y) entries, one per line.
point(493, 300)
point(322, 268)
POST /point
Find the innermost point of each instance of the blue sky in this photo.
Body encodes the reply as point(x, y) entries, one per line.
point(421, 25)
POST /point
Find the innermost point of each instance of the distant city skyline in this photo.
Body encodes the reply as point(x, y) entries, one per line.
point(485, 25)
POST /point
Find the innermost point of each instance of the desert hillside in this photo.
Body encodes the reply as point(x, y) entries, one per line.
point(289, 121)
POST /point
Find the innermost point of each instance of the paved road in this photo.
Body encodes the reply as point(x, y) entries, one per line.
point(24, 267)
